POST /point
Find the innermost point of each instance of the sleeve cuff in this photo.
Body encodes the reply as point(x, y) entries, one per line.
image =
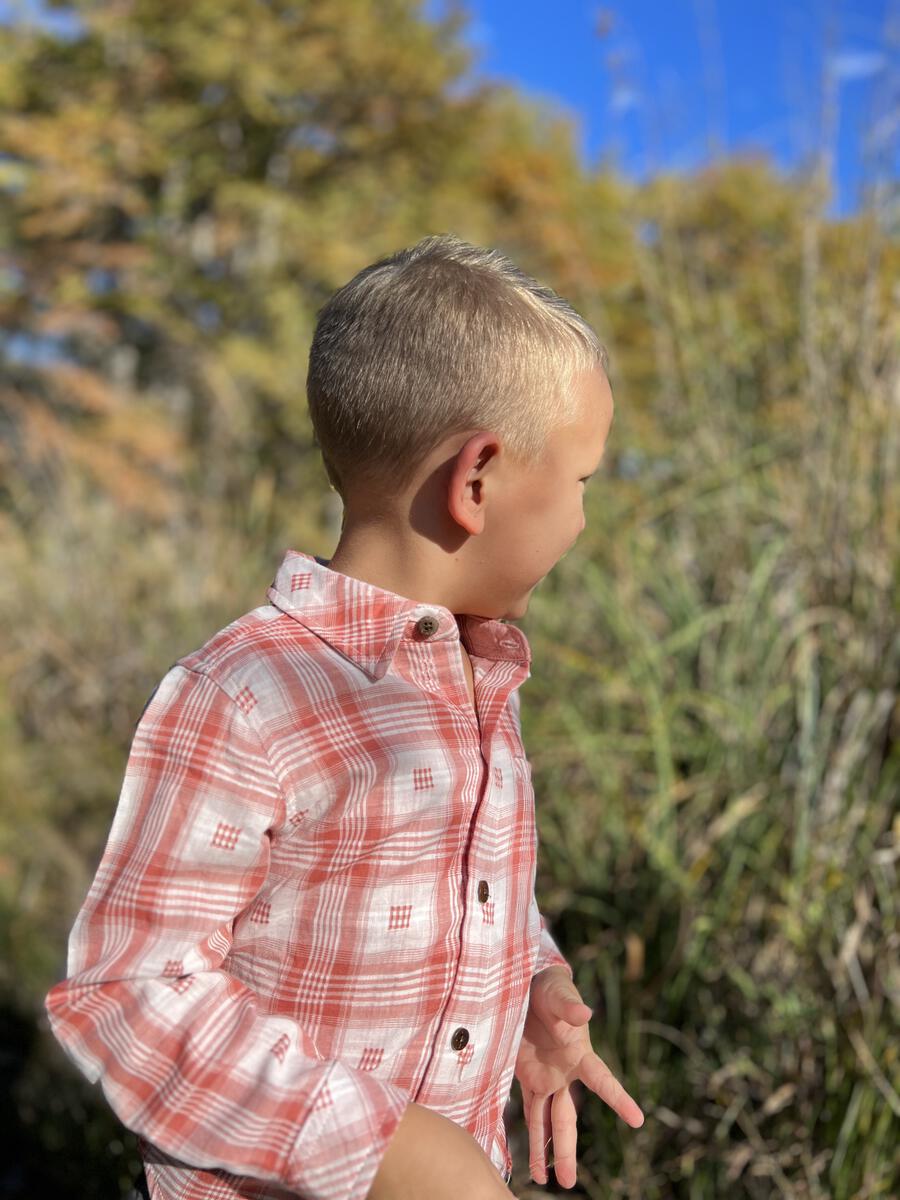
point(549, 954)
point(337, 1155)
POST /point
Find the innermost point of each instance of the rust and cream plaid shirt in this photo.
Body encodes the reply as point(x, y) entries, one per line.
point(316, 902)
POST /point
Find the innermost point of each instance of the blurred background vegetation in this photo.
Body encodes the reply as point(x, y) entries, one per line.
point(713, 716)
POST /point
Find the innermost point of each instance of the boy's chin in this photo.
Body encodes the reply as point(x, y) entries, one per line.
point(519, 609)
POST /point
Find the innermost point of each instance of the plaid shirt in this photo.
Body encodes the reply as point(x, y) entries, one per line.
point(316, 902)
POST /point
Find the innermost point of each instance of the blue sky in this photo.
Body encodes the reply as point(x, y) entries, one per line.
point(670, 80)
point(673, 81)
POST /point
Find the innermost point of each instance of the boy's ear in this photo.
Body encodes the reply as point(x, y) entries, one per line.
point(472, 464)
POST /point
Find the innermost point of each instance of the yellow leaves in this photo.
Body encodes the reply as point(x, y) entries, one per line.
point(41, 431)
point(246, 358)
point(81, 156)
point(127, 449)
point(88, 390)
point(130, 486)
point(634, 957)
point(63, 320)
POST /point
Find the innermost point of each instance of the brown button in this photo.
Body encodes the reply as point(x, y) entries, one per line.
point(460, 1038)
point(427, 625)
point(483, 890)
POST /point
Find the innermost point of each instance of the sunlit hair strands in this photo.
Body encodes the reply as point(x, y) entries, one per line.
point(440, 337)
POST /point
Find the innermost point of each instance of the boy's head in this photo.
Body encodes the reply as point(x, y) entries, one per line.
point(440, 337)
point(445, 358)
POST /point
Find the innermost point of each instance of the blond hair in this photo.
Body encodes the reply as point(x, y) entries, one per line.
point(435, 339)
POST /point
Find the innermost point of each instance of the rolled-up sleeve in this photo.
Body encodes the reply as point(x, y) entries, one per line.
point(187, 1056)
point(549, 954)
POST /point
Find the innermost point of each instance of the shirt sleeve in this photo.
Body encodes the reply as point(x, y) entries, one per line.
point(186, 1054)
point(549, 954)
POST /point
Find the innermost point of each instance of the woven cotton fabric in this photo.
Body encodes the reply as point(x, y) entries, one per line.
point(316, 903)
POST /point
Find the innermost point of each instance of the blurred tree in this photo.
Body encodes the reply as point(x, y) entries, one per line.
point(184, 185)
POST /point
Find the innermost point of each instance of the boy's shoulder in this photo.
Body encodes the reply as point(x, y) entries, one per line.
point(254, 651)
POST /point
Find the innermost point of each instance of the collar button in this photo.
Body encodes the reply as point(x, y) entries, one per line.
point(427, 625)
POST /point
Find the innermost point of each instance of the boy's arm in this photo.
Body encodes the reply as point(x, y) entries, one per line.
point(186, 1055)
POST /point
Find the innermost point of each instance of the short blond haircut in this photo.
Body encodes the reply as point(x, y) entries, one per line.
point(436, 339)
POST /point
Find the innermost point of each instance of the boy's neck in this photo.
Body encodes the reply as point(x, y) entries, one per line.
point(395, 563)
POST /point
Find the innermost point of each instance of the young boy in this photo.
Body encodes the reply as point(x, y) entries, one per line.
point(311, 960)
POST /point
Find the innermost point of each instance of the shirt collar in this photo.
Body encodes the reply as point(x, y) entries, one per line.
point(366, 623)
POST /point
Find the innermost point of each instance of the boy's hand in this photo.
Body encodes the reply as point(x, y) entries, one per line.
point(555, 1050)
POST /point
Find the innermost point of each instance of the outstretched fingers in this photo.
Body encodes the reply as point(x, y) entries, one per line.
point(593, 1072)
point(563, 1120)
point(537, 1116)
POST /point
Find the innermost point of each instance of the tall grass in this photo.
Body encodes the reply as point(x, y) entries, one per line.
point(712, 720)
point(712, 716)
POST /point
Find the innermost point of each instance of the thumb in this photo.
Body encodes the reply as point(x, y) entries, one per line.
point(566, 1004)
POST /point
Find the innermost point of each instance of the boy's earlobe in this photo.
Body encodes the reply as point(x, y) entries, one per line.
point(466, 485)
point(465, 503)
